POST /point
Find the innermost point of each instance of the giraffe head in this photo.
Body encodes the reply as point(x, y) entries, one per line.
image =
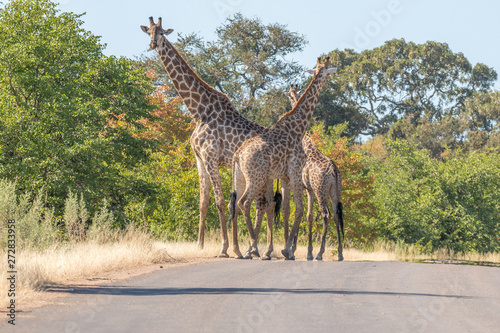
point(293, 94)
point(155, 31)
point(322, 70)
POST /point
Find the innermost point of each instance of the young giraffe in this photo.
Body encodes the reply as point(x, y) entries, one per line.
point(219, 131)
point(322, 180)
point(275, 154)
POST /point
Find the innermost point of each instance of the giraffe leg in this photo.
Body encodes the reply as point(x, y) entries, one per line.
point(286, 217)
point(270, 216)
point(245, 203)
point(213, 171)
point(326, 218)
point(298, 189)
point(310, 206)
point(260, 210)
point(339, 239)
point(338, 215)
point(285, 207)
point(204, 200)
point(234, 226)
point(253, 249)
point(240, 188)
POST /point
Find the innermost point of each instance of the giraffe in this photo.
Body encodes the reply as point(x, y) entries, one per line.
point(278, 153)
point(219, 130)
point(322, 179)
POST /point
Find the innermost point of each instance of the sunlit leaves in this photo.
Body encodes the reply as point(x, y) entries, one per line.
point(58, 94)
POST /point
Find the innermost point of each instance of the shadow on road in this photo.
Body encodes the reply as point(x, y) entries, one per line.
point(137, 291)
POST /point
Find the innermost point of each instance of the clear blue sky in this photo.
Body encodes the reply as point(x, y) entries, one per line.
point(470, 27)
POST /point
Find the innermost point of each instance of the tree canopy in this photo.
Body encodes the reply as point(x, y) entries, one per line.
point(59, 96)
point(402, 80)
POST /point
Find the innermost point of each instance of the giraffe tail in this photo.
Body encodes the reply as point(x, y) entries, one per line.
point(233, 196)
point(232, 204)
point(340, 214)
point(278, 198)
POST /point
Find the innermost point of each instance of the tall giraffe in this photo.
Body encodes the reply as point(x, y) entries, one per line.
point(278, 153)
point(219, 131)
point(321, 178)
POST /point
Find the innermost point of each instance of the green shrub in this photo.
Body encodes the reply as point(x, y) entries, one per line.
point(37, 227)
point(452, 203)
point(34, 223)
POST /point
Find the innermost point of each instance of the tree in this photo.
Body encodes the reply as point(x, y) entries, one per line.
point(423, 82)
point(58, 96)
point(247, 61)
point(474, 128)
point(480, 123)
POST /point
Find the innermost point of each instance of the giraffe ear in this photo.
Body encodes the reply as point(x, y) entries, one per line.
point(168, 32)
point(144, 28)
point(311, 71)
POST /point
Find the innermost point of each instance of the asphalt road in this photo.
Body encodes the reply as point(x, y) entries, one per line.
point(282, 296)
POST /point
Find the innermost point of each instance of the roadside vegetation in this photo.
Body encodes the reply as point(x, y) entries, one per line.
point(97, 171)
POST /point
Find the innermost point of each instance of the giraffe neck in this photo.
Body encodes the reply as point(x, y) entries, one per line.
point(296, 121)
point(195, 92)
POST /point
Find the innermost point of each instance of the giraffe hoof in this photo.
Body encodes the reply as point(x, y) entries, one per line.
point(223, 255)
point(265, 257)
point(309, 257)
point(318, 258)
point(238, 257)
point(285, 254)
point(255, 253)
point(248, 255)
point(341, 257)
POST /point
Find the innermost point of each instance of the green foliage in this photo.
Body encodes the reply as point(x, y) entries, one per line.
point(101, 229)
point(59, 97)
point(173, 213)
point(37, 226)
point(75, 217)
point(480, 122)
point(34, 223)
point(399, 79)
point(453, 203)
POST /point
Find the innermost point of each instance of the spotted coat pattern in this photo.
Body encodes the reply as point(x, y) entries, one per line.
point(322, 179)
point(277, 153)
